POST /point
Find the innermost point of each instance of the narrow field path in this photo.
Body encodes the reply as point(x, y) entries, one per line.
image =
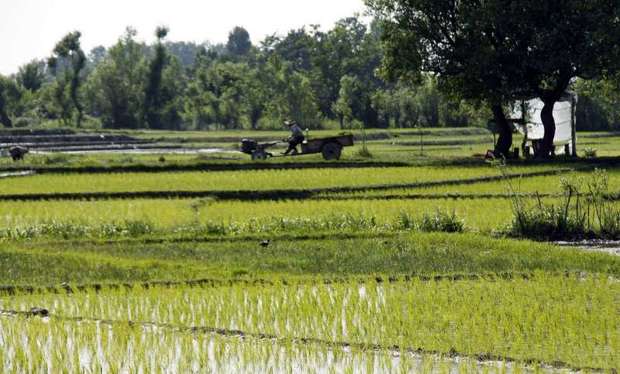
point(204, 166)
point(14, 174)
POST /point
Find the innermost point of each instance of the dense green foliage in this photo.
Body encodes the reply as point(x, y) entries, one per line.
point(500, 51)
point(9, 98)
point(583, 211)
point(68, 79)
point(319, 78)
point(43, 264)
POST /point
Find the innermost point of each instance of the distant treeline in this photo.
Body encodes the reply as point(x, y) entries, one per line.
point(321, 79)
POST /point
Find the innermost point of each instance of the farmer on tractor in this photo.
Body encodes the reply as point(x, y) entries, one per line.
point(296, 138)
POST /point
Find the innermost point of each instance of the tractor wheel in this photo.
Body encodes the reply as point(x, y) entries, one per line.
point(331, 151)
point(259, 154)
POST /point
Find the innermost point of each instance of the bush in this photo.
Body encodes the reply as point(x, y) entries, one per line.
point(606, 216)
point(579, 215)
point(548, 223)
point(364, 152)
point(54, 159)
point(53, 229)
point(24, 122)
point(589, 152)
point(441, 222)
point(135, 228)
point(406, 221)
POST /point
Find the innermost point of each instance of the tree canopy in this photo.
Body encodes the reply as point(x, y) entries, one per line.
point(500, 51)
point(448, 64)
point(239, 43)
point(69, 51)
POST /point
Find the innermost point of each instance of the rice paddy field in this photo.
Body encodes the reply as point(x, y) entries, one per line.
point(391, 260)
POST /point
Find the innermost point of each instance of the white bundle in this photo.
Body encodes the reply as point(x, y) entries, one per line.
point(562, 113)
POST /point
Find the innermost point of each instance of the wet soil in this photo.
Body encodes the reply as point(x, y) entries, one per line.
point(611, 247)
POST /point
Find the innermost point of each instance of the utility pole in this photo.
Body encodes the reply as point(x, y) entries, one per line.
point(573, 124)
point(421, 141)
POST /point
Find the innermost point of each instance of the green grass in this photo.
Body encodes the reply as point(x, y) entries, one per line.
point(338, 271)
point(387, 146)
point(483, 215)
point(47, 268)
point(229, 140)
point(543, 185)
point(405, 254)
point(165, 217)
point(243, 180)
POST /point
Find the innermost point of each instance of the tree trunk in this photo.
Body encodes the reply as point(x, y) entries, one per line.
point(75, 83)
point(386, 120)
point(504, 142)
point(4, 119)
point(254, 118)
point(546, 115)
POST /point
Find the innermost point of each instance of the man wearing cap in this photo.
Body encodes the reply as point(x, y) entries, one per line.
point(296, 138)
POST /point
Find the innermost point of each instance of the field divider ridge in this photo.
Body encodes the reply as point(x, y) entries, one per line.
point(211, 167)
point(64, 288)
point(225, 239)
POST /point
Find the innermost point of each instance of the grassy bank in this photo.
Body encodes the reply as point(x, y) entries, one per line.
point(405, 254)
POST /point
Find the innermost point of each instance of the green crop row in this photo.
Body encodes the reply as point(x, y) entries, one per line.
point(135, 218)
point(31, 346)
point(546, 318)
point(541, 184)
point(243, 180)
point(237, 216)
point(143, 230)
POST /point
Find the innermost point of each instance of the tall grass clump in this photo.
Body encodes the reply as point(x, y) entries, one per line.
point(589, 152)
point(275, 225)
point(605, 215)
point(364, 152)
point(439, 221)
point(582, 212)
point(73, 230)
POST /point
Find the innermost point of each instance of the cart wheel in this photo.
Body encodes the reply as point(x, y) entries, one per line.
point(331, 151)
point(259, 154)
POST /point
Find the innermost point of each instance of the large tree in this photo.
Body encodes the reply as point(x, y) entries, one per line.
point(116, 85)
point(348, 100)
point(239, 43)
point(9, 95)
point(565, 39)
point(69, 51)
point(32, 75)
point(463, 43)
point(255, 95)
point(499, 51)
point(153, 98)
